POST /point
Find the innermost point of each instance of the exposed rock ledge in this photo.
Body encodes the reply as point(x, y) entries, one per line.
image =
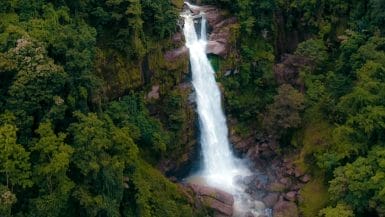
point(215, 199)
point(219, 37)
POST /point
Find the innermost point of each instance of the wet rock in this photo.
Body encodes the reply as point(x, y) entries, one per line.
point(305, 178)
point(219, 201)
point(276, 187)
point(213, 14)
point(214, 193)
point(215, 47)
point(218, 40)
point(249, 179)
point(220, 215)
point(296, 187)
point(291, 196)
point(270, 199)
point(218, 206)
point(285, 181)
point(285, 209)
point(249, 214)
point(297, 172)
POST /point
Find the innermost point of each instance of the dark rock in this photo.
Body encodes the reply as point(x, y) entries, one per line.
point(305, 178)
point(276, 187)
point(220, 215)
point(296, 187)
point(291, 196)
point(249, 179)
point(218, 206)
point(215, 47)
point(213, 14)
point(270, 199)
point(285, 181)
point(226, 22)
point(218, 200)
point(214, 193)
point(297, 172)
point(249, 214)
point(177, 38)
point(175, 54)
point(285, 209)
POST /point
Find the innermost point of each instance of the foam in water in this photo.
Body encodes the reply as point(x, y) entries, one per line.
point(221, 168)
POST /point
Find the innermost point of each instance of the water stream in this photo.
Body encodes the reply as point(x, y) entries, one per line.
point(220, 167)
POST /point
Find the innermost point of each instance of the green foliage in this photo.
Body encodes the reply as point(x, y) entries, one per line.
point(251, 86)
point(50, 171)
point(72, 143)
point(14, 159)
point(7, 199)
point(102, 152)
point(284, 113)
point(61, 153)
point(360, 184)
point(313, 49)
point(156, 196)
point(130, 111)
point(341, 210)
point(37, 81)
point(314, 197)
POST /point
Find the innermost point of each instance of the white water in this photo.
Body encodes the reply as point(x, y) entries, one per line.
point(220, 167)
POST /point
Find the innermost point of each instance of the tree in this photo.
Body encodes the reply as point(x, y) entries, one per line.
point(7, 200)
point(341, 210)
point(37, 82)
point(315, 50)
point(284, 113)
point(14, 159)
point(361, 183)
point(50, 172)
point(102, 153)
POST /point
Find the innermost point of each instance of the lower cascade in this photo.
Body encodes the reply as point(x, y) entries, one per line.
point(220, 168)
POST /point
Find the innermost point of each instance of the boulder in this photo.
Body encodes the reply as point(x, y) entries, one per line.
point(285, 209)
point(298, 172)
point(215, 47)
point(219, 201)
point(291, 196)
point(305, 178)
point(270, 199)
point(214, 193)
point(218, 206)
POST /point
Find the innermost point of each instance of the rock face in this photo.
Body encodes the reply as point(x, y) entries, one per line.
point(219, 26)
point(175, 54)
point(215, 199)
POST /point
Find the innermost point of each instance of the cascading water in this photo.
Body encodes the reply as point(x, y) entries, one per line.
point(221, 168)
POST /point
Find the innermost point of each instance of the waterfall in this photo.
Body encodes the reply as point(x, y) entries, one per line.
point(220, 169)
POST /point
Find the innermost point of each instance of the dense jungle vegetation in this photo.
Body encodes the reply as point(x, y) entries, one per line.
point(78, 137)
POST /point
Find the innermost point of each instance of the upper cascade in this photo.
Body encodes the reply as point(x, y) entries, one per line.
point(220, 168)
